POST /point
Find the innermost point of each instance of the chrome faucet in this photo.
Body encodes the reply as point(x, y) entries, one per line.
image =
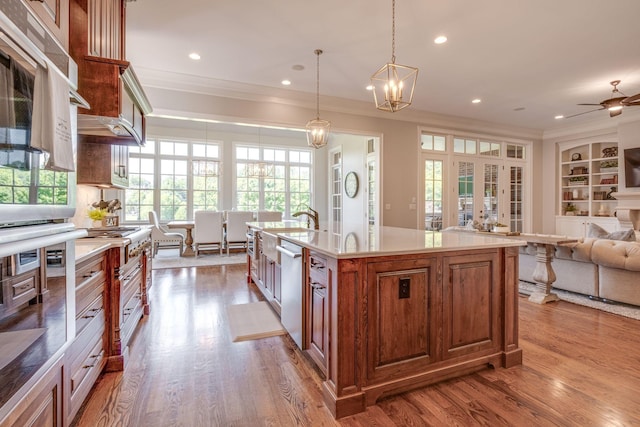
point(311, 215)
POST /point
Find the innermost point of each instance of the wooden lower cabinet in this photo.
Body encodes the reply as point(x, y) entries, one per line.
point(85, 358)
point(319, 275)
point(382, 325)
point(42, 406)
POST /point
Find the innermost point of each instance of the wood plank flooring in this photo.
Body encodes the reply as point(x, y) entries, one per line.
point(581, 368)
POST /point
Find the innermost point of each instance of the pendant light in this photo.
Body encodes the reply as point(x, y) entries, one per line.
point(318, 129)
point(259, 169)
point(393, 84)
point(206, 168)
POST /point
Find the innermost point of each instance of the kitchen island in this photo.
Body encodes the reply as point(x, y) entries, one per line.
point(392, 309)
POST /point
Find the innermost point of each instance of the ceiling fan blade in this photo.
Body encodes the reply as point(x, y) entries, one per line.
point(613, 113)
point(632, 100)
point(584, 112)
point(590, 104)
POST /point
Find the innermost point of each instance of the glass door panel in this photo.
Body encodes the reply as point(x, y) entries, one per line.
point(516, 186)
point(490, 186)
point(433, 194)
point(465, 192)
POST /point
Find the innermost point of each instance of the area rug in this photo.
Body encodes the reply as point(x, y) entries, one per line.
point(252, 321)
point(527, 288)
point(15, 342)
point(164, 260)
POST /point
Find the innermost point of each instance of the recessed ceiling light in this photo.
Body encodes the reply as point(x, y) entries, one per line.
point(440, 39)
point(518, 109)
point(477, 101)
point(286, 82)
point(297, 67)
point(194, 56)
point(370, 87)
point(559, 116)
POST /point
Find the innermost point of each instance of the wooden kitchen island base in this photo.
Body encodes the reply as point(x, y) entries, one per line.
point(378, 325)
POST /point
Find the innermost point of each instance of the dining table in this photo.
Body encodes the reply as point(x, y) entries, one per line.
point(188, 240)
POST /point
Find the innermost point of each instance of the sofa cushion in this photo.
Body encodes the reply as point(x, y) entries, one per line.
point(578, 251)
point(615, 254)
point(600, 233)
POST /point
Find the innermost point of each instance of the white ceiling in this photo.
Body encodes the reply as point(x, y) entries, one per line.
point(541, 57)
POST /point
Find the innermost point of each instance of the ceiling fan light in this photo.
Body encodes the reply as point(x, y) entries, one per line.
point(615, 108)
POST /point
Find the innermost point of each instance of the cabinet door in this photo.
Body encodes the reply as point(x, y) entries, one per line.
point(54, 14)
point(106, 29)
point(471, 303)
point(402, 315)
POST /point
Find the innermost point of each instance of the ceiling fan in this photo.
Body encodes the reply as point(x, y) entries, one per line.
point(615, 104)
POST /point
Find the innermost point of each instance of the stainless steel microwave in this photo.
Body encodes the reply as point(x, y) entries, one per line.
point(25, 261)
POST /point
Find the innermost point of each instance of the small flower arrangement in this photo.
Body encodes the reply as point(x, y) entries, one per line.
point(97, 214)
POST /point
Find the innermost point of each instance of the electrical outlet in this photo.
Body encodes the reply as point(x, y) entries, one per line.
point(404, 290)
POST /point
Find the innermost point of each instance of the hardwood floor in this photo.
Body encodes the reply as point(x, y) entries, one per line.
point(581, 368)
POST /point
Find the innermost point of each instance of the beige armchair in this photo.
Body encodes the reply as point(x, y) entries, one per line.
point(236, 230)
point(162, 238)
point(207, 230)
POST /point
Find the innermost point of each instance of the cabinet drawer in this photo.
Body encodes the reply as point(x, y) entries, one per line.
point(131, 314)
point(91, 271)
point(23, 289)
point(93, 313)
point(317, 269)
point(85, 370)
point(87, 293)
point(131, 284)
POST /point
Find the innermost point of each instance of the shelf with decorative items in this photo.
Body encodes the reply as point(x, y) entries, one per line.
point(588, 177)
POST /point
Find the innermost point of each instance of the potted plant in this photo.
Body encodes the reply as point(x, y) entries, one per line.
point(578, 180)
point(570, 209)
point(500, 228)
point(97, 215)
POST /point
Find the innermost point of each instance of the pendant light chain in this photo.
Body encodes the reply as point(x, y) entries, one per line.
point(393, 32)
point(318, 52)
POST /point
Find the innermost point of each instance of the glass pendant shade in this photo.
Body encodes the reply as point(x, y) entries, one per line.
point(318, 132)
point(393, 86)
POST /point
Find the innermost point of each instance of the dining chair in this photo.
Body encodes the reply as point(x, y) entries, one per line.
point(162, 238)
point(207, 231)
point(267, 216)
point(236, 228)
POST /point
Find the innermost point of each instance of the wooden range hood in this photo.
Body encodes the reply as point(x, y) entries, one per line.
point(118, 103)
point(105, 78)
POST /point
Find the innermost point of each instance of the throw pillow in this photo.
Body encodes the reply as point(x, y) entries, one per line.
point(600, 233)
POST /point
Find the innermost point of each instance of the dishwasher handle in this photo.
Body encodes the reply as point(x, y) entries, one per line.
point(288, 253)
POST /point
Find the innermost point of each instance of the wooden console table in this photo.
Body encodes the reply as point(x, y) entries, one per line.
point(543, 274)
point(188, 241)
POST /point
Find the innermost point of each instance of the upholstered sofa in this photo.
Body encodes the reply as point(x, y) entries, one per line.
point(601, 268)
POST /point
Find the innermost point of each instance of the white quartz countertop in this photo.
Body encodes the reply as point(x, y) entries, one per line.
point(278, 226)
point(86, 248)
point(380, 241)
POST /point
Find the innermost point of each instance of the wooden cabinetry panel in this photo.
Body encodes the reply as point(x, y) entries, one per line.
point(43, 405)
point(93, 169)
point(319, 276)
point(401, 318)
point(471, 303)
point(54, 14)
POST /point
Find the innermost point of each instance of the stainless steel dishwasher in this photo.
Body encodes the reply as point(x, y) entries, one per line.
point(292, 304)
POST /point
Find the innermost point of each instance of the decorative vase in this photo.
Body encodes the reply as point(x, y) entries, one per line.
point(96, 223)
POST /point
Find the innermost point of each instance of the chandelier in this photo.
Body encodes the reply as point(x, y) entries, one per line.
point(318, 129)
point(208, 167)
point(393, 84)
point(259, 169)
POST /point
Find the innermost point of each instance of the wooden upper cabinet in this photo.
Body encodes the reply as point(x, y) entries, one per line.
point(54, 14)
point(97, 28)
